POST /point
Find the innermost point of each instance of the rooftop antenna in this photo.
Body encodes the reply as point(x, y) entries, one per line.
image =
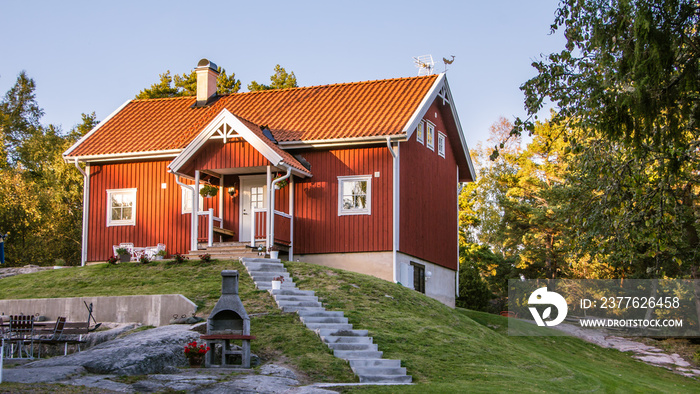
point(446, 61)
point(425, 64)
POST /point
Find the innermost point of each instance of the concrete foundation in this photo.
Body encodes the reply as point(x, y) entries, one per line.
point(154, 310)
point(440, 285)
point(377, 264)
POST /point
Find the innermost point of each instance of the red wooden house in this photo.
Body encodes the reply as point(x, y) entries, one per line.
point(372, 170)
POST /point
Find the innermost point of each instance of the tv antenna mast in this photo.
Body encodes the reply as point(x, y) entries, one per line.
point(425, 64)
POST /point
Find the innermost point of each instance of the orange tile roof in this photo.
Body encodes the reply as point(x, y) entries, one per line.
point(348, 110)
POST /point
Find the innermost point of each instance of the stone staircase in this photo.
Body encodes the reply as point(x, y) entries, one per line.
point(224, 251)
point(332, 326)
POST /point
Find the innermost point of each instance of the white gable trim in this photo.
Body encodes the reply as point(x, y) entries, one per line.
point(433, 93)
point(94, 129)
point(243, 131)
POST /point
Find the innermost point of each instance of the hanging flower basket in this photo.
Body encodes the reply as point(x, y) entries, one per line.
point(208, 191)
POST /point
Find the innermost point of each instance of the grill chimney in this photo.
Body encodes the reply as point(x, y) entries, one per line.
point(229, 315)
point(206, 81)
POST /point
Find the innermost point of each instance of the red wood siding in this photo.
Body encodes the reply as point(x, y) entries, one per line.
point(428, 190)
point(216, 155)
point(158, 211)
point(317, 226)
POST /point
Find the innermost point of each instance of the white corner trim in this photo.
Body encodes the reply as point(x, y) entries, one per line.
point(225, 117)
point(94, 129)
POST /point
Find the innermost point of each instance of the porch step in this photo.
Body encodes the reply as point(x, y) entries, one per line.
point(331, 326)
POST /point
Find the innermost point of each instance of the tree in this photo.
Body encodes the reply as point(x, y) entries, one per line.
point(19, 117)
point(186, 85)
point(279, 80)
point(628, 85)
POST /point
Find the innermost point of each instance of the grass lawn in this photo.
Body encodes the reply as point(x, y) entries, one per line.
point(446, 350)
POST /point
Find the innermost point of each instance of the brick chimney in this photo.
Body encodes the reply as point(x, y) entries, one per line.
point(206, 81)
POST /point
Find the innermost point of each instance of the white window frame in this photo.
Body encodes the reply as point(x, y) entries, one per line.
point(420, 132)
point(186, 194)
point(129, 222)
point(430, 136)
point(367, 210)
point(441, 144)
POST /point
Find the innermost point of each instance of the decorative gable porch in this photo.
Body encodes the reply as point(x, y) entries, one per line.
point(247, 175)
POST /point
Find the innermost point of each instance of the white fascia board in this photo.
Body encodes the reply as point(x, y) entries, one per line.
point(161, 154)
point(465, 148)
point(94, 129)
point(424, 105)
point(225, 117)
point(339, 142)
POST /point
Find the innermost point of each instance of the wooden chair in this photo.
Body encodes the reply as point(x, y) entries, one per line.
point(21, 335)
point(54, 336)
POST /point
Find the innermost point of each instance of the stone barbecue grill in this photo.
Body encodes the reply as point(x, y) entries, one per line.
point(227, 322)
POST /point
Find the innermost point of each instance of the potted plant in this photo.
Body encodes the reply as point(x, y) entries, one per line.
point(281, 183)
point(274, 252)
point(277, 282)
point(124, 255)
point(195, 353)
point(208, 190)
point(160, 255)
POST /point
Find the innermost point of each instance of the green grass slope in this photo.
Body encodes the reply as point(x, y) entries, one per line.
point(446, 350)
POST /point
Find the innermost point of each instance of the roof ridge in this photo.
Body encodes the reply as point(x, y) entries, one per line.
point(332, 85)
point(163, 98)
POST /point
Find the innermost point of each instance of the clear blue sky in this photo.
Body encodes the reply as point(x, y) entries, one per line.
point(93, 56)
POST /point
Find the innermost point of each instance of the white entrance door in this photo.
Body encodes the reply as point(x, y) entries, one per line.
point(253, 196)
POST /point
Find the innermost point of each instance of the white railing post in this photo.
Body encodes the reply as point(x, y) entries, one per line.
point(210, 241)
point(252, 230)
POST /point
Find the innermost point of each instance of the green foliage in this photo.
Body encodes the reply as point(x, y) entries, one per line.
point(186, 85)
point(279, 80)
point(40, 195)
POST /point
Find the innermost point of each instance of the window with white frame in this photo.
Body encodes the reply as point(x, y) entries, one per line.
point(355, 195)
point(187, 200)
point(430, 136)
point(121, 207)
point(420, 132)
point(441, 144)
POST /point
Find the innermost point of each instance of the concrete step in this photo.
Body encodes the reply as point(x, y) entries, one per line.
point(262, 268)
point(295, 292)
point(385, 378)
point(268, 285)
point(355, 354)
point(298, 303)
point(379, 371)
point(326, 332)
point(328, 326)
point(334, 319)
point(353, 346)
point(322, 314)
point(335, 339)
point(292, 309)
point(295, 298)
point(260, 260)
point(374, 362)
point(269, 276)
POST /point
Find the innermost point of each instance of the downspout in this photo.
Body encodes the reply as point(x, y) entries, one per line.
point(395, 208)
point(86, 207)
point(193, 246)
point(272, 203)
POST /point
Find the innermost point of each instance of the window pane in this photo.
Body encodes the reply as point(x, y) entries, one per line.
point(127, 199)
point(360, 202)
point(116, 200)
point(348, 203)
point(116, 214)
point(126, 213)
